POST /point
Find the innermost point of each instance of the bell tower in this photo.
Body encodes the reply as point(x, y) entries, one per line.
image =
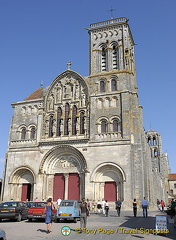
point(112, 75)
point(111, 46)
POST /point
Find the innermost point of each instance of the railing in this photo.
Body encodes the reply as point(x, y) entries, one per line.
point(115, 20)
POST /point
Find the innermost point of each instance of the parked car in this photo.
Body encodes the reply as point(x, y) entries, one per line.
point(13, 210)
point(69, 210)
point(36, 210)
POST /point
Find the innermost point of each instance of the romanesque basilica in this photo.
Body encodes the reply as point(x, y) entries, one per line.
point(84, 136)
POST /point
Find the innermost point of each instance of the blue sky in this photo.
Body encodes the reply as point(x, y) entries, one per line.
point(38, 38)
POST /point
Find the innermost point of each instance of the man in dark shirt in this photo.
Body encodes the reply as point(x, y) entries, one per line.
point(118, 206)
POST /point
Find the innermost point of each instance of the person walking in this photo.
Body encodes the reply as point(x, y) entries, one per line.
point(106, 208)
point(118, 204)
point(49, 209)
point(162, 205)
point(145, 207)
point(135, 207)
point(88, 207)
point(158, 204)
point(83, 216)
point(99, 207)
point(94, 206)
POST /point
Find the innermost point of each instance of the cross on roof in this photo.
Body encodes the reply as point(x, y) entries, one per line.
point(111, 10)
point(69, 64)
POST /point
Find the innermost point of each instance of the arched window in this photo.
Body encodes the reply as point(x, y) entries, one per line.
point(23, 133)
point(149, 140)
point(102, 86)
point(113, 85)
point(104, 60)
point(74, 120)
point(51, 122)
point(59, 114)
point(104, 126)
point(115, 125)
point(154, 141)
point(82, 130)
point(66, 127)
point(33, 133)
point(82, 123)
point(155, 153)
point(115, 58)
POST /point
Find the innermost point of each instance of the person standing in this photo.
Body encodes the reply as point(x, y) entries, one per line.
point(49, 209)
point(158, 204)
point(106, 208)
point(83, 216)
point(135, 207)
point(118, 206)
point(36, 199)
point(162, 205)
point(59, 200)
point(145, 207)
point(103, 203)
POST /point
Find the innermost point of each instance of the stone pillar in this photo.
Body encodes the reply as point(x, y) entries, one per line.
point(66, 175)
point(102, 190)
point(82, 185)
point(44, 186)
point(50, 186)
point(19, 192)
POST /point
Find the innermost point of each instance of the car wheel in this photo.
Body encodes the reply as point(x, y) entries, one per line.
point(19, 218)
point(30, 219)
point(75, 220)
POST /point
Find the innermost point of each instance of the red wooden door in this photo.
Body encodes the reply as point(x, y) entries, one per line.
point(58, 186)
point(74, 187)
point(24, 192)
point(110, 191)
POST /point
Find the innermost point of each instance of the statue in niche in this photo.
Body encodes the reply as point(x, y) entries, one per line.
point(76, 91)
point(58, 92)
point(68, 88)
point(83, 99)
point(51, 102)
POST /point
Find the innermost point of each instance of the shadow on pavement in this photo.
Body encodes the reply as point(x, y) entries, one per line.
point(143, 226)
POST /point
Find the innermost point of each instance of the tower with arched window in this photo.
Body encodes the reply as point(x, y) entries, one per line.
point(84, 136)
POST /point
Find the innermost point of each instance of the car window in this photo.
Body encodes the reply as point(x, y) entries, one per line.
point(8, 204)
point(42, 205)
point(66, 204)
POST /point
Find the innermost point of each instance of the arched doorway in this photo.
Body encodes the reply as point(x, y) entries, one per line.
point(108, 179)
point(64, 168)
point(22, 184)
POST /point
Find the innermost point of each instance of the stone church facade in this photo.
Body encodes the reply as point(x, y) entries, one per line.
point(84, 136)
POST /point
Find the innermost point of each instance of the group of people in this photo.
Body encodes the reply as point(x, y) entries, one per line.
point(97, 207)
point(144, 204)
point(160, 205)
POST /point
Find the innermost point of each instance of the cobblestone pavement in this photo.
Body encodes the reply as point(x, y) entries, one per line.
point(111, 227)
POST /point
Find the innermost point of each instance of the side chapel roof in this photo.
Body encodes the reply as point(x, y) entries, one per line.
point(36, 94)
